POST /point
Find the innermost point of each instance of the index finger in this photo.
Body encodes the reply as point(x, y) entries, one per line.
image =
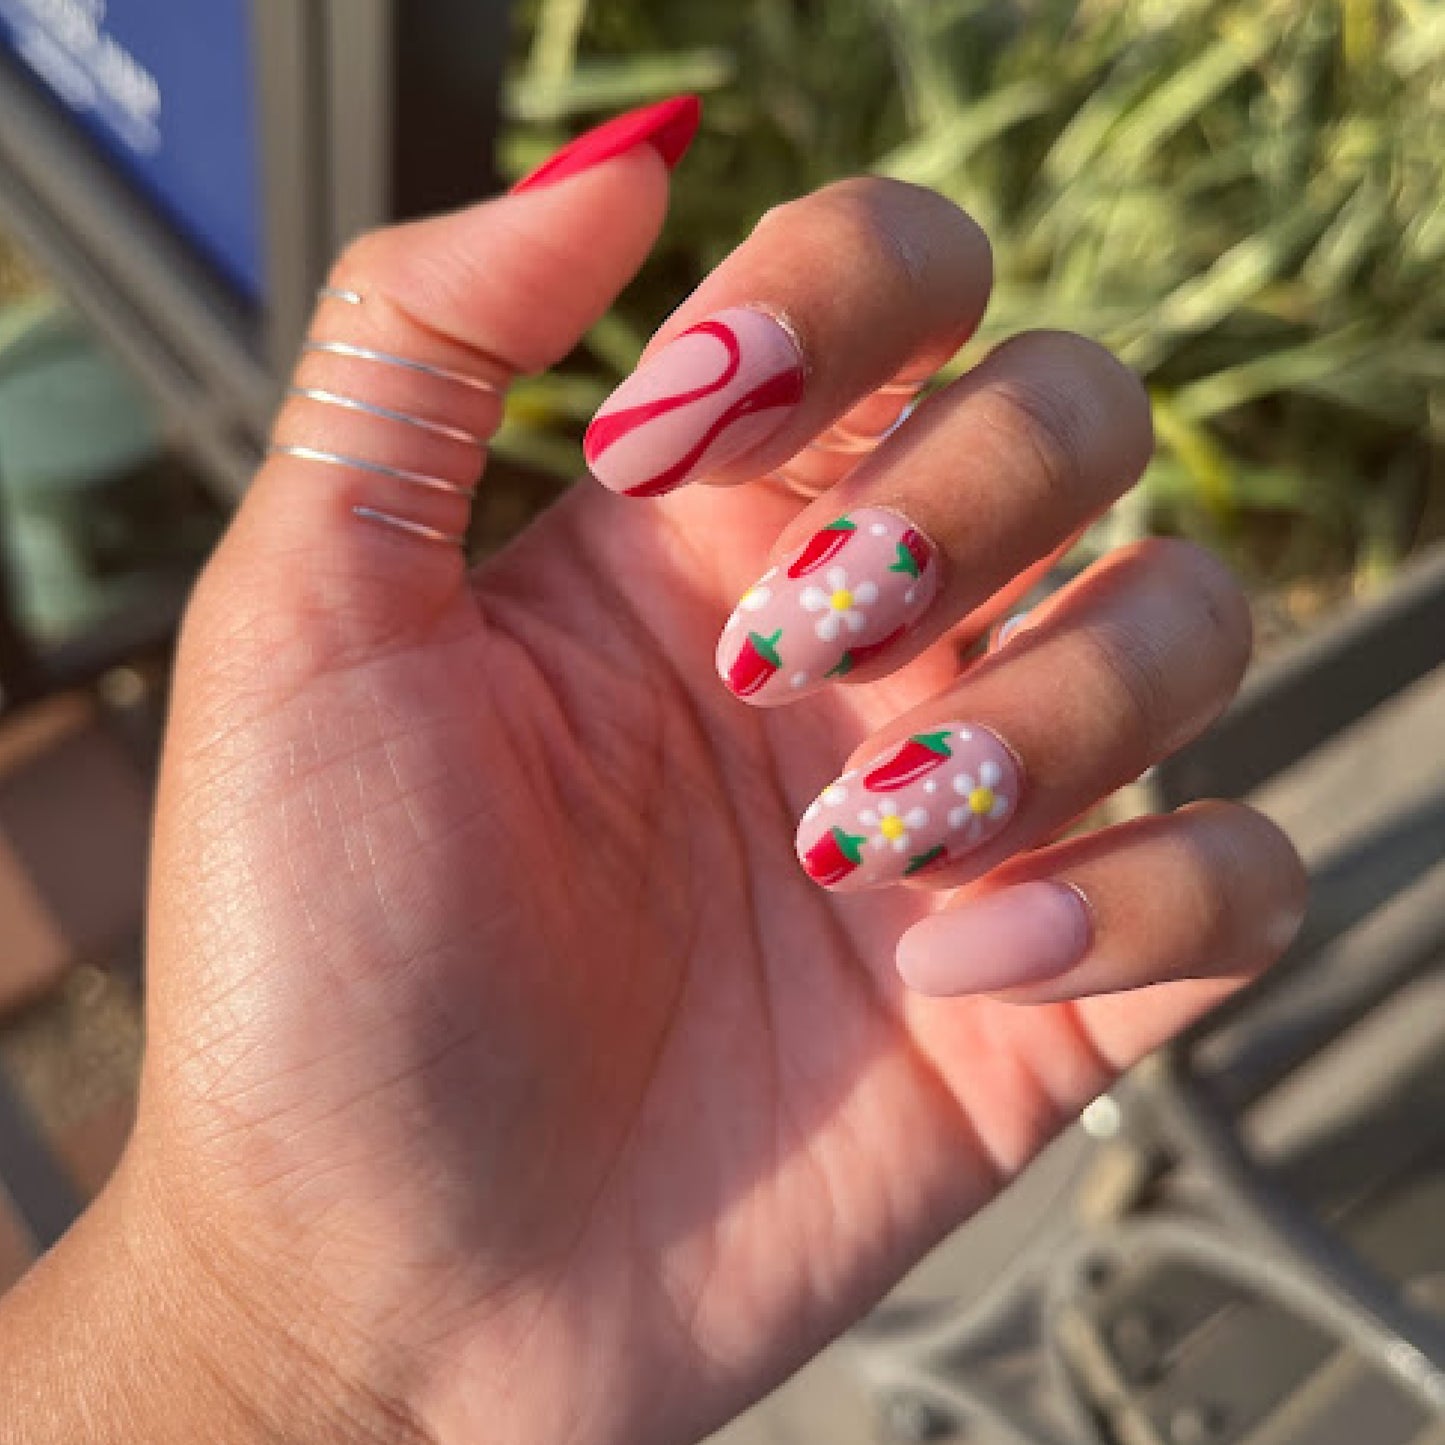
point(829, 300)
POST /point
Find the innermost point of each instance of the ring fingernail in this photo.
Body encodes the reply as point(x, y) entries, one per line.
point(708, 397)
point(851, 592)
point(927, 802)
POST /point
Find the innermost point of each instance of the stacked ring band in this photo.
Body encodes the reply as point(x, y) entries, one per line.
point(328, 397)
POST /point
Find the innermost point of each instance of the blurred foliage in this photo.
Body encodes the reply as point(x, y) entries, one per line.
point(1243, 198)
point(17, 277)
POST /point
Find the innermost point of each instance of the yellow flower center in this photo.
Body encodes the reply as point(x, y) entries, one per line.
point(841, 600)
point(981, 800)
point(892, 827)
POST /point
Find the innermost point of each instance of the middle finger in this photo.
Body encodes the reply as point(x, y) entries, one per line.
point(995, 473)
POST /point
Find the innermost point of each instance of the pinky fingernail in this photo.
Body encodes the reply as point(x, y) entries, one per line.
point(1026, 934)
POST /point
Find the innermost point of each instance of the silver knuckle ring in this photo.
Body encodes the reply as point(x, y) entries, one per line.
point(403, 363)
point(376, 517)
point(386, 413)
point(379, 469)
point(426, 481)
point(848, 441)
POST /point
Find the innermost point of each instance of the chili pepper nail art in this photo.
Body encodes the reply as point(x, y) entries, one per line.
point(822, 547)
point(920, 755)
point(849, 594)
point(927, 803)
point(709, 396)
point(834, 856)
point(755, 664)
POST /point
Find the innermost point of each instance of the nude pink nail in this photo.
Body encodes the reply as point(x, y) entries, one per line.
point(708, 397)
point(848, 595)
point(1029, 933)
point(926, 803)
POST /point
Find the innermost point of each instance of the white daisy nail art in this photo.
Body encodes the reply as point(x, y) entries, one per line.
point(893, 828)
point(847, 596)
point(923, 805)
point(984, 801)
point(841, 605)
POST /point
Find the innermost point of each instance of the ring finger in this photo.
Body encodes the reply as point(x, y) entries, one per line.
point(1133, 659)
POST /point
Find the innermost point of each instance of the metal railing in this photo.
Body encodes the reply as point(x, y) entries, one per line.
point(1040, 1363)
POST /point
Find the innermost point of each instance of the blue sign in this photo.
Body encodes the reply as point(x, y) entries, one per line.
point(168, 89)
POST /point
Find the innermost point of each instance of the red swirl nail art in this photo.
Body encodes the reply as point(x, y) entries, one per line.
point(709, 396)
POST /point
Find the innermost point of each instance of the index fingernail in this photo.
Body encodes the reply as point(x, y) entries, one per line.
point(708, 397)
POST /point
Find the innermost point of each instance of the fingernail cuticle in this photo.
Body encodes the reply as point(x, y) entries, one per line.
point(925, 804)
point(847, 596)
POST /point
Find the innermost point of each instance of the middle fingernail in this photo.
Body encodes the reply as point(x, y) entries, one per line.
point(923, 804)
point(846, 596)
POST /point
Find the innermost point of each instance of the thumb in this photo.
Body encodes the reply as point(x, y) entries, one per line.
point(349, 538)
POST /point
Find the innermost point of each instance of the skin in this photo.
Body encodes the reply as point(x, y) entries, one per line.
point(507, 1080)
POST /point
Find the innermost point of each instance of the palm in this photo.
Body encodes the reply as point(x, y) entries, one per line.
point(559, 1014)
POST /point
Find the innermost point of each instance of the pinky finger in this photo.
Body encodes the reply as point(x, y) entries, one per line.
point(1212, 891)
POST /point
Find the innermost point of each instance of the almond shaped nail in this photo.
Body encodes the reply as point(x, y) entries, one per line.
point(848, 595)
point(924, 804)
point(668, 127)
point(1029, 933)
point(708, 397)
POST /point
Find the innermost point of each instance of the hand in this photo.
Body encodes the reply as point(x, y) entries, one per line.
point(505, 1066)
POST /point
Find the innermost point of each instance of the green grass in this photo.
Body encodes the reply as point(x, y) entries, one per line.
point(1245, 200)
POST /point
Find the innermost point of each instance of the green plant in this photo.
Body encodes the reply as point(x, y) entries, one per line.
point(1244, 198)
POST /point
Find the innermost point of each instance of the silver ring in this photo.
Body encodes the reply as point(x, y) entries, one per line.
point(355, 298)
point(412, 529)
point(899, 387)
point(840, 441)
point(380, 469)
point(348, 403)
point(375, 515)
point(386, 358)
point(845, 441)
